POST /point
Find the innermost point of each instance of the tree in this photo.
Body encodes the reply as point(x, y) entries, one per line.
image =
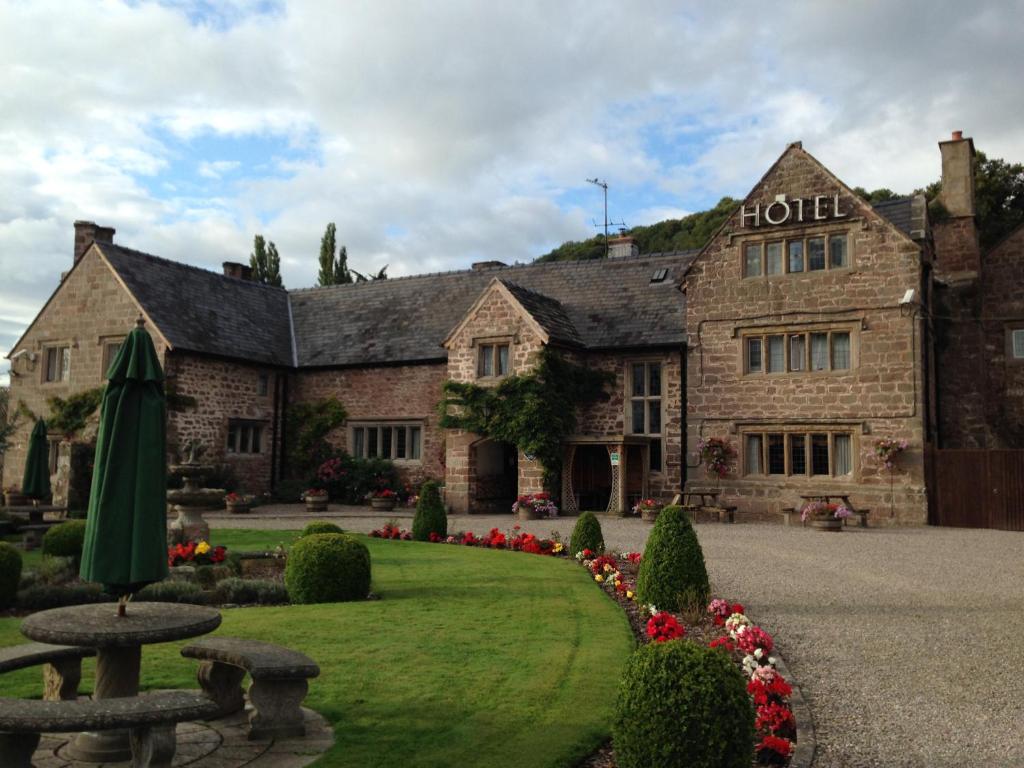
point(265, 262)
point(327, 248)
point(342, 274)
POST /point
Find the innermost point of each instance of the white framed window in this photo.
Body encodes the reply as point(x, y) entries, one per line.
point(245, 437)
point(645, 386)
point(798, 351)
point(796, 255)
point(397, 442)
point(57, 363)
point(798, 451)
point(492, 360)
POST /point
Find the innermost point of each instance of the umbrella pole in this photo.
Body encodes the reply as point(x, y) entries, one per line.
point(122, 605)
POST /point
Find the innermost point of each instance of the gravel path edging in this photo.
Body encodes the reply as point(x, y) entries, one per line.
point(806, 743)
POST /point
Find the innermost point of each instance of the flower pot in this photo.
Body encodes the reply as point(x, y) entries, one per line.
point(239, 508)
point(382, 503)
point(830, 523)
point(316, 503)
point(650, 514)
point(17, 499)
point(527, 512)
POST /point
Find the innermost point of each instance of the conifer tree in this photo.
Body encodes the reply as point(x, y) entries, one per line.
point(273, 274)
point(327, 266)
point(258, 258)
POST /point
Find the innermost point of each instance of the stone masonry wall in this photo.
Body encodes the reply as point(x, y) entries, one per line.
point(382, 394)
point(956, 246)
point(223, 390)
point(495, 319)
point(881, 395)
point(88, 309)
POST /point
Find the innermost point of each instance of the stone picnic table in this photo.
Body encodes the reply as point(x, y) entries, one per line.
point(118, 641)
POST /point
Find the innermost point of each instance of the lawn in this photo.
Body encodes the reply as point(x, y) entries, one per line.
point(471, 657)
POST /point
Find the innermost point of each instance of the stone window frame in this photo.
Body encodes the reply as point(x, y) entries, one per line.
point(361, 450)
point(802, 235)
point(105, 343)
point(245, 424)
point(495, 342)
point(1013, 329)
point(787, 332)
point(628, 399)
point(805, 430)
point(263, 384)
point(44, 356)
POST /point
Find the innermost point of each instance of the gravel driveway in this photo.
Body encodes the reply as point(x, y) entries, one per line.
point(907, 642)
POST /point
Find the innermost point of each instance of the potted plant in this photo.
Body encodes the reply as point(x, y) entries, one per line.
point(316, 500)
point(238, 504)
point(648, 509)
point(13, 497)
point(534, 506)
point(824, 516)
point(383, 499)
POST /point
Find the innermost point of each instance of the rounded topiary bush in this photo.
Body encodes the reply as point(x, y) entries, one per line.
point(320, 526)
point(10, 574)
point(682, 704)
point(586, 535)
point(327, 568)
point(65, 540)
point(430, 515)
point(672, 575)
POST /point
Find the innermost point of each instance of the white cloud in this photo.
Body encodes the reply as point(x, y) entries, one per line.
point(434, 134)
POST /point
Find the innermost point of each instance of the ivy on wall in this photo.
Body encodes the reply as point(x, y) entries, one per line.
point(308, 427)
point(536, 412)
point(69, 415)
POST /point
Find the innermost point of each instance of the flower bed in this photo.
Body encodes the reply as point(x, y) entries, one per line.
point(515, 539)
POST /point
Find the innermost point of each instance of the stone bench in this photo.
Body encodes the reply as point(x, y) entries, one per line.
point(150, 720)
point(279, 682)
point(62, 666)
point(31, 533)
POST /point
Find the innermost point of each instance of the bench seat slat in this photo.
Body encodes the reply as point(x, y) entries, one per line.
point(263, 661)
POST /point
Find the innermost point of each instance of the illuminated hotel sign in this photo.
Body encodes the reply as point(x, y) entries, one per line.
point(783, 211)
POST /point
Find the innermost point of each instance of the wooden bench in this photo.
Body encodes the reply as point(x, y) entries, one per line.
point(726, 514)
point(62, 666)
point(279, 682)
point(860, 513)
point(150, 718)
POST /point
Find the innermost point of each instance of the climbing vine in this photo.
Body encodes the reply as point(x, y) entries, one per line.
point(536, 412)
point(69, 415)
point(308, 426)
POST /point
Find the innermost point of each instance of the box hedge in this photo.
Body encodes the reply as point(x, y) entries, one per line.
point(586, 535)
point(328, 568)
point(430, 515)
point(672, 574)
point(10, 574)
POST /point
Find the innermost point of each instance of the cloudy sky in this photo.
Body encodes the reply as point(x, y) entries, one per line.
point(438, 133)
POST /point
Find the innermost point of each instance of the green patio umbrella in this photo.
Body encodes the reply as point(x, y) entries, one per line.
point(36, 482)
point(126, 528)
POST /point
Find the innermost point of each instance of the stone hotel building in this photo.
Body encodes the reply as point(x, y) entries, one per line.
point(811, 324)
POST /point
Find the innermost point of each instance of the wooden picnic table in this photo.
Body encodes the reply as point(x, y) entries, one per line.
point(704, 495)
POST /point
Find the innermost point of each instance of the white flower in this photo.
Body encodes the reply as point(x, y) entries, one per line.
point(772, 660)
point(758, 653)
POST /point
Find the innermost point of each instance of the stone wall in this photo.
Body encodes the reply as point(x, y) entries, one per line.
point(88, 309)
point(382, 394)
point(958, 253)
point(224, 390)
point(881, 395)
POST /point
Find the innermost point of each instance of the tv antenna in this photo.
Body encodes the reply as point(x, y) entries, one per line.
point(604, 187)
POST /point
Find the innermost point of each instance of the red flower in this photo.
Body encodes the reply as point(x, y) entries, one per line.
point(737, 608)
point(776, 719)
point(752, 638)
point(663, 626)
point(774, 751)
point(587, 554)
point(634, 557)
point(725, 643)
point(598, 564)
point(435, 537)
point(775, 690)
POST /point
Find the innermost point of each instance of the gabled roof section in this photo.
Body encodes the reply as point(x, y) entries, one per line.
point(908, 214)
point(206, 312)
point(548, 313)
point(609, 303)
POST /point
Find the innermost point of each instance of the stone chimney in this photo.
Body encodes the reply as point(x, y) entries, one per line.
point(624, 245)
point(479, 266)
point(957, 175)
point(235, 269)
point(88, 232)
point(957, 250)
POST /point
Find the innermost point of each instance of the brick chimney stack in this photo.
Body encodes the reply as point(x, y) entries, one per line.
point(624, 245)
point(88, 232)
point(235, 269)
point(958, 175)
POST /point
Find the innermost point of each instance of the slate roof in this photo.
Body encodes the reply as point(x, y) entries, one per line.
point(903, 212)
point(606, 303)
point(203, 311)
point(549, 314)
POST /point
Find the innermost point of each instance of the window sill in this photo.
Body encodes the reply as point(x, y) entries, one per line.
point(798, 374)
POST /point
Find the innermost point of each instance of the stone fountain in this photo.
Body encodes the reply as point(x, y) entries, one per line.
point(191, 501)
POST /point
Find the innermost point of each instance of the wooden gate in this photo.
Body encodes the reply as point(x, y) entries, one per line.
point(977, 488)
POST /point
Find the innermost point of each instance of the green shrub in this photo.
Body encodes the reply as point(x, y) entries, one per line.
point(682, 704)
point(208, 576)
point(672, 575)
point(51, 570)
point(41, 597)
point(328, 568)
point(252, 592)
point(173, 592)
point(65, 540)
point(430, 515)
point(10, 574)
point(320, 526)
point(289, 491)
point(586, 535)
